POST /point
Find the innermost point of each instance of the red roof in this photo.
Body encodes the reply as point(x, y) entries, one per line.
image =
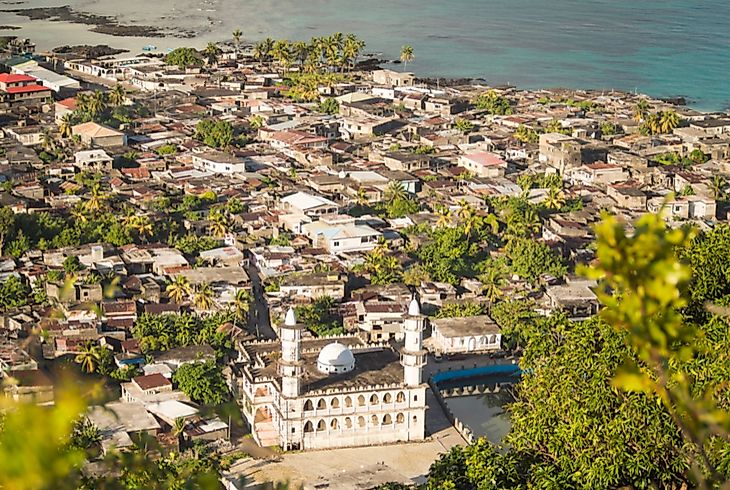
point(151, 381)
point(14, 78)
point(27, 89)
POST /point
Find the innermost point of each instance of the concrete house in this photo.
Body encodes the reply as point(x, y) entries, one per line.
point(96, 159)
point(471, 334)
point(95, 134)
point(484, 164)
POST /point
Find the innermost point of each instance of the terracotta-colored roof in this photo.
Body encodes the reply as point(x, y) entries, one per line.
point(27, 89)
point(15, 78)
point(151, 381)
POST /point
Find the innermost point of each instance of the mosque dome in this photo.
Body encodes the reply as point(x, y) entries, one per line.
point(335, 358)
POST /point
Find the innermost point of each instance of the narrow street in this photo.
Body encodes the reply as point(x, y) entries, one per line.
point(259, 321)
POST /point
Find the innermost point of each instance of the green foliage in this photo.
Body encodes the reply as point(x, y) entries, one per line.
point(454, 310)
point(85, 434)
point(164, 332)
point(449, 257)
point(516, 318)
point(13, 293)
point(493, 103)
point(203, 382)
point(329, 106)
point(168, 149)
point(216, 134)
point(383, 268)
point(464, 125)
point(321, 317)
point(401, 207)
point(72, 264)
point(282, 239)
point(609, 129)
point(184, 58)
point(708, 254)
point(192, 244)
point(585, 431)
point(525, 134)
point(644, 288)
point(530, 259)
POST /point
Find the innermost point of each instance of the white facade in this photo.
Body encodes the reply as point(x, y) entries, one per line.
point(334, 409)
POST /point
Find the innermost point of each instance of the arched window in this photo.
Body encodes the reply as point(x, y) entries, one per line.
point(361, 400)
point(399, 419)
point(321, 404)
point(308, 427)
point(308, 405)
point(374, 420)
point(415, 419)
point(387, 420)
point(361, 421)
point(334, 424)
point(348, 423)
point(348, 401)
point(400, 397)
point(321, 425)
point(374, 399)
point(335, 403)
point(388, 398)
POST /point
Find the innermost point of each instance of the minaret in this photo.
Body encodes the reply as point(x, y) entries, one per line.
point(413, 356)
point(290, 364)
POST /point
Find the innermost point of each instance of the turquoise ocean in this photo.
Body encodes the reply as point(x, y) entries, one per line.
point(663, 48)
point(659, 47)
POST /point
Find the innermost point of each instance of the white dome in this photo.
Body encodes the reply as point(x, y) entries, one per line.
point(335, 358)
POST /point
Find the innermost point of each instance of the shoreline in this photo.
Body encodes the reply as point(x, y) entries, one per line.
point(111, 28)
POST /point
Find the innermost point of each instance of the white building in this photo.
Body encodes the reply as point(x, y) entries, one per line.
point(341, 235)
point(93, 160)
point(308, 204)
point(219, 162)
point(469, 334)
point(325, 393)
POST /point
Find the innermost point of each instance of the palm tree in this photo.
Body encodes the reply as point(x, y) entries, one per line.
point(219, 225)
point(211, 52)
point(406, 55)
point(493, 280)
point(445, 217)
point(361, 198)
point(237, 39)
point(88, 357)
point(96, 200)
point(262, 49)
point(203, 296)
point(641, 110)
point(97, 103)
point(47, 140)
point(300, 51)
point(256, 121)
point(555, 198)
point(668, 120)
point(351, 49)
point(395, 191)
point(142, 225)
point(718, 187)
point(179, 289)
point(117, 95)
point(65, 125)
point(241, 305)
point(78, 213)
point(464, 125)
point(178, 430)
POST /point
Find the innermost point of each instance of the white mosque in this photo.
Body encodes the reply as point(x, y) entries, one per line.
point(333, 392)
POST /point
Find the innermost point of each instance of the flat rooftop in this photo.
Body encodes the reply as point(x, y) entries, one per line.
point(466, 326)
